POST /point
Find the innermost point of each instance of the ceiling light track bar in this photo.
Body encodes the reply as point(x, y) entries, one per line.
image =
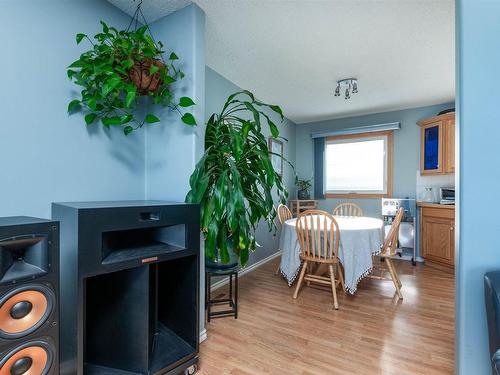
point(349, 84)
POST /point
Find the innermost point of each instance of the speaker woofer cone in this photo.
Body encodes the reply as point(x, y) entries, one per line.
point(21, 366)
point(23, 310)
point(31, 358)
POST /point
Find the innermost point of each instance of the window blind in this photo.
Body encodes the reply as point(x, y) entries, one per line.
point(358, 130)
point(319, 159)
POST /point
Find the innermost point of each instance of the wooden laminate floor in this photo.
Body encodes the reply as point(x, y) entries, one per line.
point(371, 333)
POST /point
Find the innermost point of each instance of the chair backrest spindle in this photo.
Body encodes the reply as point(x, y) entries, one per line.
point(284, 213)
point(348, 209)
point(319, 234)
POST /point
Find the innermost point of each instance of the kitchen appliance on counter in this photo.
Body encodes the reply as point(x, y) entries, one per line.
point(447, 195)
point(407, 229)
point(429, 195)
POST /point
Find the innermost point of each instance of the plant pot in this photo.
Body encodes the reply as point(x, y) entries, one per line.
point(303, 195)
point(217, 264)
point(140, 77)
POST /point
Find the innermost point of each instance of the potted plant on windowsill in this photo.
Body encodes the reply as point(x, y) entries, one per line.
point(303, 188)
point(234, 181)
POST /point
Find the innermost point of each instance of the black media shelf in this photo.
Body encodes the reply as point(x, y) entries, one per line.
point(168, 348)
point(91, 369)
point(130, 282)
point(152, 250)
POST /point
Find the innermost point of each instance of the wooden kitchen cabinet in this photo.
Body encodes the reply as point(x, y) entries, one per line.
point(449, 145)
point(437, 233)
point(437, 145)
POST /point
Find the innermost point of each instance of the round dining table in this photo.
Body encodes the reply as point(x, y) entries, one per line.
point(360, 239)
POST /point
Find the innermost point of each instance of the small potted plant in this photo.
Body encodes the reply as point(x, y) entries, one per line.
point(118, 69)
point(303, 188)
point(235, 180)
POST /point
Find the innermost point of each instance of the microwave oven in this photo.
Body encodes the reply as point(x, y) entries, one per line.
point(447, 195)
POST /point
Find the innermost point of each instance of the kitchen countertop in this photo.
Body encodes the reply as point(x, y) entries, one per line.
point(436, 205)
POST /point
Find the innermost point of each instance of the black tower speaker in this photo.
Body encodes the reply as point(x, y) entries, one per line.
point(29, 288)
point(129, 287)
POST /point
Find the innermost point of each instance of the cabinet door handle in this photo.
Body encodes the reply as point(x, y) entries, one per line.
point(451, 228)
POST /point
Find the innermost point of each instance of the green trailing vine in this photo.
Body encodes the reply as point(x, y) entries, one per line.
point(121, 67)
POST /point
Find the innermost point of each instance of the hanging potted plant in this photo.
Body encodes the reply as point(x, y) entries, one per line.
point(121, 67)
point(303, 188)
point(234, 180)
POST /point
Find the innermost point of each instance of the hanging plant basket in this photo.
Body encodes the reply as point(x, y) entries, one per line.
point(121, 66)
point(140, 76)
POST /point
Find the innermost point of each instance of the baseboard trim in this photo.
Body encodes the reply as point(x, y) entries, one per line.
point(203, 335)
point(248, 269)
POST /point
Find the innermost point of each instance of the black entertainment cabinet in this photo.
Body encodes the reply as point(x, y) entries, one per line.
point(129, 287)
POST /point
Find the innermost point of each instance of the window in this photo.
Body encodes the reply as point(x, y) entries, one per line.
point(359, 166)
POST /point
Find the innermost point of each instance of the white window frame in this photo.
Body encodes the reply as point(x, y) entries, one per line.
point(388, 137)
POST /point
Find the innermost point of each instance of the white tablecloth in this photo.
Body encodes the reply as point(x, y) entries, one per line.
point(360, 238)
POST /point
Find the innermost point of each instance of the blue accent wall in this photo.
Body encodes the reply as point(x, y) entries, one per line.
point(478, 102)
point(45, 154)
point(173, 148)
point(406, 150)
point(48, 155)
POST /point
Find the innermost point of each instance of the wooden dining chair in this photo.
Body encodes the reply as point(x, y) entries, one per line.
point(319, 237)
point(388, 250)
point(348, 209)
point(284, 214)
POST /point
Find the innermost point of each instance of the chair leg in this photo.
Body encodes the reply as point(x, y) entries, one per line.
point(394, 277)
point(301, 278)
point(312, 268)
point(341, 277)
point(277, 269)
point(395, 272)
point(309, 270)
point(334, 288)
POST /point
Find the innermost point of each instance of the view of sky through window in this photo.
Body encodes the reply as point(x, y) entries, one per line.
point(357, 166)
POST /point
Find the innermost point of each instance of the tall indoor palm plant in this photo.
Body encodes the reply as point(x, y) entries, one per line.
point(235, 179)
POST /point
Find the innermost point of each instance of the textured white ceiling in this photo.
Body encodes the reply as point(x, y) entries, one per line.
point(291, 52)
point(152, 9)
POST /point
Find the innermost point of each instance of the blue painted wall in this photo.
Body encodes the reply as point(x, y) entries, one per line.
point(217, 90)
point(172, 148)
point(406, 150)
point(47, 155)
point(478, 78)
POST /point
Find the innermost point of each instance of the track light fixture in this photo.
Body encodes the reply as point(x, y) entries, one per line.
point(350, 85)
